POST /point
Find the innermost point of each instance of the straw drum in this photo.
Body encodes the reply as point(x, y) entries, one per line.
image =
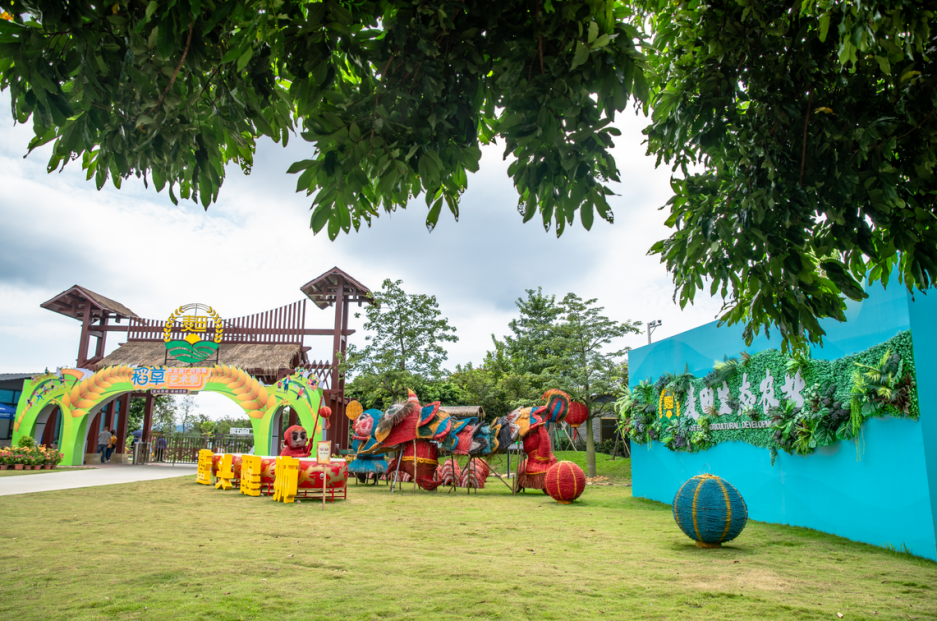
point(709, 510)
point(426, 460)
point(565, 482)
point(449, 473)
point(474, 474)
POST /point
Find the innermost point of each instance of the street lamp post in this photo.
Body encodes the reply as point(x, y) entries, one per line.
point(651, 325)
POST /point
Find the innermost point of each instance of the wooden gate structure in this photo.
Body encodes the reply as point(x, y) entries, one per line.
point(268, 345)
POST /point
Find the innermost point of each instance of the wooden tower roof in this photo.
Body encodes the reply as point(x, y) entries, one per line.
point(322, 290)
point(73, 302)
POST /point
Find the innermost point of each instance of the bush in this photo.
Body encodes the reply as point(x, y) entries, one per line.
point(26, 442)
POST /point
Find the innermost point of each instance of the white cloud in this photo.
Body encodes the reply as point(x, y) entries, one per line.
point(253, 250)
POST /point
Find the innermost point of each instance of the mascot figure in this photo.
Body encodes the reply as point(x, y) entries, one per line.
point(363, 465)
point(297, 444)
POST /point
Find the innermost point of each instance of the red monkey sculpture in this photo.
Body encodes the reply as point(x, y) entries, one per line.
point(297, 444)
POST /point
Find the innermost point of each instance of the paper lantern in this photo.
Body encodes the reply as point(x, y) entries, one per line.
point(709, 510)
point(325, 412)
point(565, 482)
point(577, 415)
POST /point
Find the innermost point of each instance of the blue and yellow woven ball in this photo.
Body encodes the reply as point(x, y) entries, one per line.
point(709, 510)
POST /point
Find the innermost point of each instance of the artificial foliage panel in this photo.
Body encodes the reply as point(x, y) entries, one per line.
point(776, 401)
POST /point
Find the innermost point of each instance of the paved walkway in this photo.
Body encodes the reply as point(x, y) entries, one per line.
point(92, 477)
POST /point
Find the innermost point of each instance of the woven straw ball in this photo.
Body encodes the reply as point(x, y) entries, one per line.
point(709, 510)
point(565, 482)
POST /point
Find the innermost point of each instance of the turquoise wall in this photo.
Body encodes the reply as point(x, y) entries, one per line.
point(923, 312)
point(884, 496)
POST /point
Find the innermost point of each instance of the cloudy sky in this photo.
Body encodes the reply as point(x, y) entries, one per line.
point(253, 249)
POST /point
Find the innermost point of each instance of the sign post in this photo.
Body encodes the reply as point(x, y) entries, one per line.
point(324, 459)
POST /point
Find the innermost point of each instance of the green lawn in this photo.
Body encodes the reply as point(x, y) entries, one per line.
point(618, 468)
point(173, 549)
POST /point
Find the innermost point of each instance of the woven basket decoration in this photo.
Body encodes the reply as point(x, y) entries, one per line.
point(709, 510)
point(565, 482)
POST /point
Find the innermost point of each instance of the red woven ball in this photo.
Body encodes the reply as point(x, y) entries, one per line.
point(577, 415)
point(325, 412)
point(565, 482)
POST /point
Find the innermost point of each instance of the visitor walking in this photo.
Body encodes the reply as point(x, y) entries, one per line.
point(160, 447)
point(104, 439)
point(111, 445)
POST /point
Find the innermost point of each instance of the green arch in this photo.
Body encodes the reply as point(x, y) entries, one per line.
point(80, 393)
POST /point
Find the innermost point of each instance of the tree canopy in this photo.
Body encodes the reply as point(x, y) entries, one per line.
point(580, 363)
point(802, 135)
point(814, 123)
point(406, 332)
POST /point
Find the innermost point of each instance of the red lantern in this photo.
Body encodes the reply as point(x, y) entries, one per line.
point(325, 412)
point(565, 482)
point(577, 415)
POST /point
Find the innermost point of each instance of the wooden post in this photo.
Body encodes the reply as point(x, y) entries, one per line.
point(147, 418)
point(452, 461)
point(571, 442)
point(337, 349)
point(123, 414)
point(397, 471)
point(84, 338)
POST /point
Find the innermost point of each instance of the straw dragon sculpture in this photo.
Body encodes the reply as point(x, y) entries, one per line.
point(420, 430)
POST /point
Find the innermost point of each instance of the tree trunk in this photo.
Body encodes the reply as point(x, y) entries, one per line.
point(590, 448)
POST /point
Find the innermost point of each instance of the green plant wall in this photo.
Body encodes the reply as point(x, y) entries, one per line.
point(837, 397)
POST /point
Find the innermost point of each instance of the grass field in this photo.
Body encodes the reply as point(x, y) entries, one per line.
point(172, 549)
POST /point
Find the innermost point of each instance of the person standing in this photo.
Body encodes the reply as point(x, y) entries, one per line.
point(111, 445)
point(104, 440)
point(160, 447)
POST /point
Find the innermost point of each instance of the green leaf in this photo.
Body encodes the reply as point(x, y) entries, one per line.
point(166, 39)
point(824, 26)
point(319, 217)
point(593, 32)
point(586, 215)
point(245, 58)
point(582, 54)
point(601, 42)
point(433, 216)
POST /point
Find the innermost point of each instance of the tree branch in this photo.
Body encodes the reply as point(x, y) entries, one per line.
point(172, 80)
point(803, 150)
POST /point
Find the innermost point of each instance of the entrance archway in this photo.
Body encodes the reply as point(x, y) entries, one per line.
point(80, 395)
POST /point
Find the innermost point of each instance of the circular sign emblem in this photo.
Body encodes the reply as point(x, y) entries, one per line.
point(198, 343)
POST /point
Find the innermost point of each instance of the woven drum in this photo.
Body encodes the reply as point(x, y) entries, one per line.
point(709, 510)
point(565, 482)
